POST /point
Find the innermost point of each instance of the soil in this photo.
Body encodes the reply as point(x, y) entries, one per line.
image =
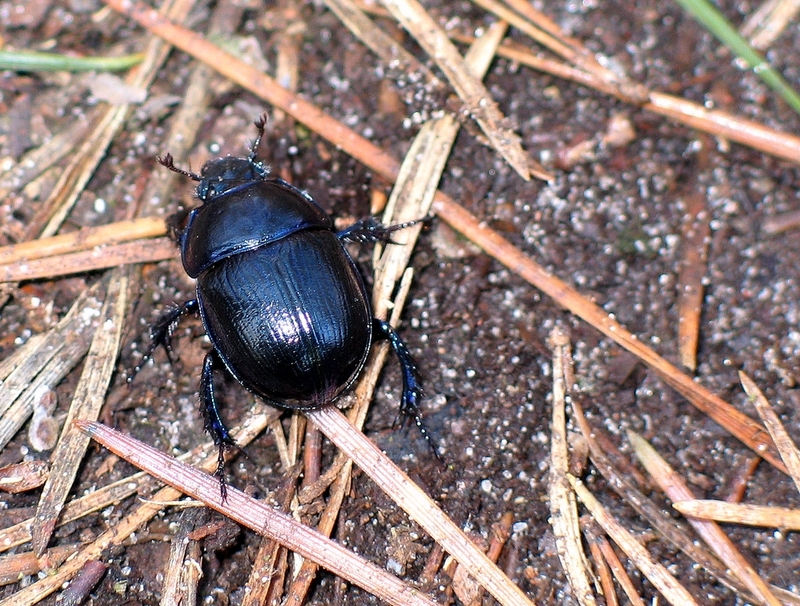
point(610, 223)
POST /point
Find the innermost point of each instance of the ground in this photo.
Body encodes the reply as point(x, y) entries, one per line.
point(609, 224)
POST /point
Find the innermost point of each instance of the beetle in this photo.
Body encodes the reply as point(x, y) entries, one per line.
point(280, 298)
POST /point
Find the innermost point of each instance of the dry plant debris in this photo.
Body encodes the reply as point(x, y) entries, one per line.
point(626, 191)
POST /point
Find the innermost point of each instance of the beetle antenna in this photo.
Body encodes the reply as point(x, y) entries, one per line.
point(261, 125)
point(168, 162)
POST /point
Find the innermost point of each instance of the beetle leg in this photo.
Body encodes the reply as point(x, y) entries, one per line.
point(412, 390)
point(176, 224)
point(161, 332)
point(369, 229)
point(213, 421)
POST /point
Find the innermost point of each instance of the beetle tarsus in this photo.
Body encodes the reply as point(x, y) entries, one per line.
point(220, 475)
point(161, 333)
point(412, 390)
point(369, 230)
point(213, 422)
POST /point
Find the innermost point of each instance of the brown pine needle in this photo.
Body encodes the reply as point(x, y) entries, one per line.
point(766, 24)
point(604, 574)
point(741, 513)
point(98, 257)
point(478, 101)
point(258, 516)
point(20, 533)
point(416, 504)
point(624, 484)
point(122, 529)
point(696, 230)
point(83, 239)
point(727, 125)
point(603, 552)
point(668, 585)
point(544, 31)
point(780, 223)
point(563, 506)
point(715, 122)
point(19, 565)
point(677, 490)
point(783, 442)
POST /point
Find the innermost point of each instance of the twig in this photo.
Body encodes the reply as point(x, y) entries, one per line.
point(470, 89)
point(416, 504)
point(86, 404)
point(563, 506)
point(677, 490)
point(741, 513)
point(258, 516)
point(783, 442)
point(671, 589)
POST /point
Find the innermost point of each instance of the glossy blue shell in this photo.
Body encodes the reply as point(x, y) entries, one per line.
point(280, 298)
point(244, 218)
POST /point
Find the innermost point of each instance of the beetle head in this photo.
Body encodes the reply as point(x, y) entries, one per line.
point(224, 174)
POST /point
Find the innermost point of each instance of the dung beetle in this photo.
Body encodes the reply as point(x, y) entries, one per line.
point(281, 300)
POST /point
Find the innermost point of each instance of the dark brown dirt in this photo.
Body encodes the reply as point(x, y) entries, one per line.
point(609, 225)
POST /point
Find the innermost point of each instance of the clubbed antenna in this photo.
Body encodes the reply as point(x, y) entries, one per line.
point(261, 124)
point(167, 161)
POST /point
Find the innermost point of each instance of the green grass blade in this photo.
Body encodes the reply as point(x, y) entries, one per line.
point(30, 61)
point(713, 20)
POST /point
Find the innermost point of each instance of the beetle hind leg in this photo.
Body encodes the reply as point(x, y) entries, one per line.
point(412, 390)
point(213, 422)
point(161, 332)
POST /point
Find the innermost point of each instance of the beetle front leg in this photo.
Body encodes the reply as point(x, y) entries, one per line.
point(412, 390)
point(212, 420)
point(162, 330)
point(369, 229)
